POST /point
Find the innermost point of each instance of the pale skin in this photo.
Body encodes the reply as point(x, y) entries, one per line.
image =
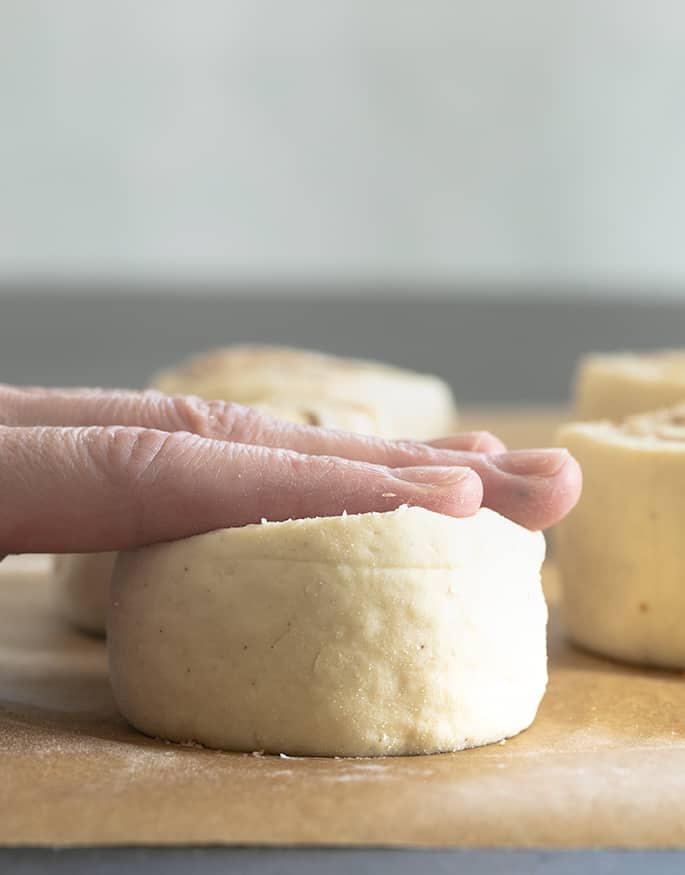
point(85, 470)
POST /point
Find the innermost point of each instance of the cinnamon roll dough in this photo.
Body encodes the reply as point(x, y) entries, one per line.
point(621, 550)
point(611, 386)
point(397, 403)
point(404, 632)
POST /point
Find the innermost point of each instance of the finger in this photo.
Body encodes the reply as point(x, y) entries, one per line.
point(536, 488)
point(521, 489)
point(28, 406)
point(91, 489)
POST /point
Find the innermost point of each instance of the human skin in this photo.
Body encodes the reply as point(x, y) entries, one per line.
point(85, 470)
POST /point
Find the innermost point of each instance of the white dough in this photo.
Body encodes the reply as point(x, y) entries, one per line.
point(614, 385)
point(621, 550)
point(404, 632)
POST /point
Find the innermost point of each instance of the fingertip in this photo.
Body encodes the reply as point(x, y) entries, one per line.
point(451, 490)
point(566, 490)
point(549, 499)
point(466, 498)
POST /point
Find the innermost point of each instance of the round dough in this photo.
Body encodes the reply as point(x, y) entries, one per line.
point(613, 386)
point(82, 582)
point(405, 632)
point(621, 550)
point(396, 403)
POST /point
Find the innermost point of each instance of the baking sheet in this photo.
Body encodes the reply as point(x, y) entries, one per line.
point(603, 765)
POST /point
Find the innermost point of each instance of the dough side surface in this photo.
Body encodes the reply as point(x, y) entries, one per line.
point(621, 550)
point(405, 632)
point(611, 386)
point(82, 585)
point(388, 402)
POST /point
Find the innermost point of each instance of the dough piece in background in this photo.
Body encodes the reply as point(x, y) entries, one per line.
point(621, 550)
point(614, 385)
point(404, 632)
point(82, 584)
point(401, 403)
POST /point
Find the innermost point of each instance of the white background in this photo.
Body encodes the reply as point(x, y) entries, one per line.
point(519, 144)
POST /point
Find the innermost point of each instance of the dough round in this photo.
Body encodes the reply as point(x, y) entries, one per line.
point(405, 632)
point(621, 550)
point(82, 582)
point(614, 386)
point(395, 403)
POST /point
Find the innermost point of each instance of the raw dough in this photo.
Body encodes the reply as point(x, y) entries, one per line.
point(295, 385)
point(82, 581)
point(396, 402)
point(612, 386)
point(621, 550)
point(397, 633)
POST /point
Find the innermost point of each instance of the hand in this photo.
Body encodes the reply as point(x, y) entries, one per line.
point(90, 470)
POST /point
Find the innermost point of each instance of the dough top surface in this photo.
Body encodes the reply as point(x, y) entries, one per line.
point(267, 358)
point(668, 364)
point(252, 371)
point(661, 431)
point(407, 537)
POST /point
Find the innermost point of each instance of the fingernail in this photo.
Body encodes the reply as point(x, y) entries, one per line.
point(486, 442)
point(542, 463)
point(472, 442)
point(480, 439)
point(437, 476)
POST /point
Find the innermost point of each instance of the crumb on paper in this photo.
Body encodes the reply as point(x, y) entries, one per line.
point(183, 742)
point(503, 741)
point(257, 753)
point(264, 520)
point(191, 742)
point(284, 756)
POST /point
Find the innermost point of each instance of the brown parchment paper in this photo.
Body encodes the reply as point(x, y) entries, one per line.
point(603, 764)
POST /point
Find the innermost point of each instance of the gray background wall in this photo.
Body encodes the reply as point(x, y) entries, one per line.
point(484, 190)
point(492, 349)
point(536, 142)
